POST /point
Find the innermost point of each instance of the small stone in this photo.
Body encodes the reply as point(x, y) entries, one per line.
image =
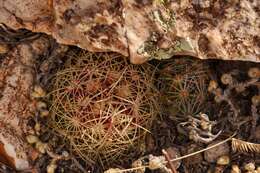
point(41, 147)
point(31, 139)
point(223, 160)
point(212, 85)
point(65, 154)
point(37, 127)
point(254, 72)
point(51, 168)
point(258, 169)
point(156, 162)
point(249, 166)
point(213, 154)
point(41, 105)
point(226, 79)
point(235, 169)
point(138, 163)
point(113, 170)
point(44, 113)
point(38, 92)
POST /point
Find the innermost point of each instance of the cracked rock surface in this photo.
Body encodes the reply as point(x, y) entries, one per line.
point(145, 29)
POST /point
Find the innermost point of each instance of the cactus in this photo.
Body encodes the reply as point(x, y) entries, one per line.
point(183, 83)
point(103, 104)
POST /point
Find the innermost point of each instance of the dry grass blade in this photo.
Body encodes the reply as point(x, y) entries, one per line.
point(243, 146)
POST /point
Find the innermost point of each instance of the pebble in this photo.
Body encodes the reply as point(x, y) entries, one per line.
point(41, 147)
point(41, 105)
point(44, 113)
point(51, 168)
point(249, 166)
point(31, 139)
point(223, 160)
point(38, 92)
point(235, 169)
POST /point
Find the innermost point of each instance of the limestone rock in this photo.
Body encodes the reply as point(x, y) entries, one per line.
point(145, 29)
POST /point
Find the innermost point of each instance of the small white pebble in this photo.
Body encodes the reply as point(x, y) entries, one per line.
point(138, 163)
point(156, 162)
point(51, 168)
point(212, 85)
point(254, 72)
point(41, 147)
point(249, 166)
point(44, 113)
point(37, 127)
point(235, 169)
point(226, 79)
point(31, 139)
point(38, 92)
point(113, 170)
point(41, 105)
point(223, 160)
point(65, 153)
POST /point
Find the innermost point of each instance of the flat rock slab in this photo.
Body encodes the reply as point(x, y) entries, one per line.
point(145, 29)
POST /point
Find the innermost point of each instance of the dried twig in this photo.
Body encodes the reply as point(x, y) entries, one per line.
point(199, 129)
point(172, 167)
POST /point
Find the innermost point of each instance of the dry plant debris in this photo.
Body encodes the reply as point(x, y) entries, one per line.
point(103, 105)
point(198, 128)
point(159, 162)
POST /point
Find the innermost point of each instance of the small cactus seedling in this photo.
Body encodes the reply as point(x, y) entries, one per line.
point(103, 104)
point(183, 84)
